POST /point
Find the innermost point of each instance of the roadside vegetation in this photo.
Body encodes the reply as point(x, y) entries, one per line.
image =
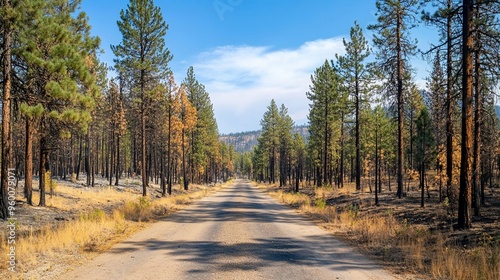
point(51, 240)
point(401, 236)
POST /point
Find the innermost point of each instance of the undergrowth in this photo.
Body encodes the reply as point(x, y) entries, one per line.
point(93, 231)
point(414, 247)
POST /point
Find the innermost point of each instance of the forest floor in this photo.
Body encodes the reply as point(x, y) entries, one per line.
point(401, 234)
point(79, 222)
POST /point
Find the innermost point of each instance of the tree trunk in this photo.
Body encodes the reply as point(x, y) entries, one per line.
point(28, 165)
point(162, 175)
point(77, 170)
point(376, 165)
point(43, 169)
point(358, 145)
point(449, 108)
point(422, 183)
point(184, 175)
point(97, 149)
point(134, 154)
point(6, 121)
point(400, 108)
point(72, 157)
point(143, 134)
point(87, 158)
point(169, 152)
point(111, 157)
point(297, 178)
point(117, 159)
point(465, 197)
point(103, 154)
point(476, 175)
point(341, 167)
point(325, 145)
point(422, 174)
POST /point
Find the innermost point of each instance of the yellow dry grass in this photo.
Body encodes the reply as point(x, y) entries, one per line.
point(93, 231)
point(67, 198)
point(421, 251)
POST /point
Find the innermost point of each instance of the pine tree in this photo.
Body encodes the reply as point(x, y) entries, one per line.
point(185, 116)
point(395, 19)
point(445, 18)
point(117, 125)
point(298, 159)
point(486, 65)
point(414, 103)
point(357, 76)
point(323, 119)
point(377, 142)
point(204, 138)
point(285, 125)
point(171, 123)
point(270, 139)
point(437, 98)
point(142, 53)
point(424, 144)
point(64, 87)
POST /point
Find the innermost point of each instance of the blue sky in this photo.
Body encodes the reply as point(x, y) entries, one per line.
point(247, 52)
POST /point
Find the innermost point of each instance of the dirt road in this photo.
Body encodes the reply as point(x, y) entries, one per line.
point(238, 233)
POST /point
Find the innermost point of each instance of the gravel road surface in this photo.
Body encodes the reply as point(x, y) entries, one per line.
point(237, 233)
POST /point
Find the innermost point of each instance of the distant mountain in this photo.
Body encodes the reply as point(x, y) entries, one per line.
point(245, 141)
point(497, 110)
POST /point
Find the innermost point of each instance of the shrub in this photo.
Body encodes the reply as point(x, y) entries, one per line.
point(320, 203)
point(140, 210)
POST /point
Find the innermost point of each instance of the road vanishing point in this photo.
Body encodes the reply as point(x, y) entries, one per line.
point(237, 233)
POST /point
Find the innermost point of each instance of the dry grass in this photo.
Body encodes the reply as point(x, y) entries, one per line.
point(90, 232)
point(412, 248)
point(68, 198)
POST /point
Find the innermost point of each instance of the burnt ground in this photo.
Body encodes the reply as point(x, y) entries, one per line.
point(72, 199)
point(440, 218)
point(435, 215)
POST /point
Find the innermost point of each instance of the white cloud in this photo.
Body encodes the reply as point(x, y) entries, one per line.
point(242, 80)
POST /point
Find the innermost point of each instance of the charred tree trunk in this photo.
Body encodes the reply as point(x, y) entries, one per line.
point(77, 170)
point(358, 145)
point(169, 152)
point(28, 165)
point(87, 158)
point(162, 175)
point(465, 196)
point(342, 152)
point(117, 170)
point(476, 175)
point(184, 175)
point(44, 167)
point(449, 107)
point(400, 105)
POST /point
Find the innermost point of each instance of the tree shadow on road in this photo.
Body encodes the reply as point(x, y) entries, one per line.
point(210, 256)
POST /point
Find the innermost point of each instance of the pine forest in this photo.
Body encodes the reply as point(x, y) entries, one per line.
point(374, 138)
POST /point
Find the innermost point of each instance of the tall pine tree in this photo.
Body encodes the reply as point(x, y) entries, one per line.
point(395, 19)
point(204, 138)
point(143, 54)
point(324, 95)
point(357, 77)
